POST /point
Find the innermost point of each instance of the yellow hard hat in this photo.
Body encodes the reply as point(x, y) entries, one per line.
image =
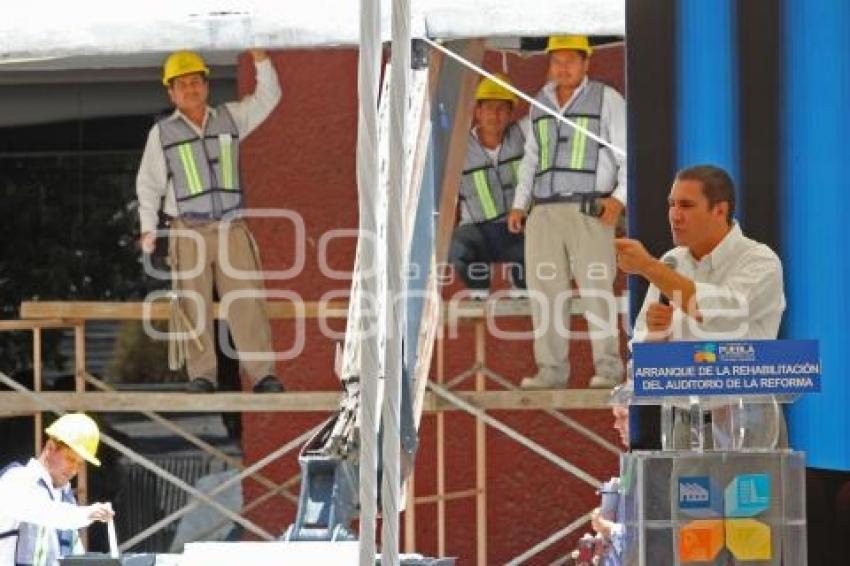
point(577, 42)
point(488, 89)
point(182, 63)
point(79, 432)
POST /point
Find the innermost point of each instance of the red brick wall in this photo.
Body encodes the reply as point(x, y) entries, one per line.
point(303, 159)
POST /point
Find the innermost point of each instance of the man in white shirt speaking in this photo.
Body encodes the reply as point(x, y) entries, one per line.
point(717, 284)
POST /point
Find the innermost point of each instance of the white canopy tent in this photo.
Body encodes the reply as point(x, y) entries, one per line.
point(49, 34)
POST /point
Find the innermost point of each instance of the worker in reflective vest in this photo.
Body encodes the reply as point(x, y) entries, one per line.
point(191, 166)
point(578, 189)
point(493, 153)
point(39, 517)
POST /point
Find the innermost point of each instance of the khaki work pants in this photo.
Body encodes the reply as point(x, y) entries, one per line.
point(204, 264)
point(561, 244)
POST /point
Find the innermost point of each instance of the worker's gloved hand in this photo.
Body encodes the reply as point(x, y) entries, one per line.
point(100, 512)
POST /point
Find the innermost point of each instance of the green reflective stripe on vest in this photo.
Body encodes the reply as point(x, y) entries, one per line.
point(188, 160)
point(543, 134)
point(579, 144)
point(482, 187)
point(515, 169)
point(226, 160)
point(40, 555)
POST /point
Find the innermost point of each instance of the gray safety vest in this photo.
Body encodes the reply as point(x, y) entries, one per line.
point(487, 188)
point(568, 157)
point(203, 170)
point(33, 546)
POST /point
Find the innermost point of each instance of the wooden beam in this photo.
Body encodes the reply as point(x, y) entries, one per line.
point(463, 103)
point(456, 152)
point(122, 402)
point(480, 450)
point(37, 381)
point(410, 516)
point(7, 325)
point(12, 402)
point(98, 310)
point(455, 495)
point(503, 306)
point(65, 314)
point(80, 387)
point(561, 399)
point(441, 450)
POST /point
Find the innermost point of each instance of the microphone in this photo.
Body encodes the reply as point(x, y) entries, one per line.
point(670, 262)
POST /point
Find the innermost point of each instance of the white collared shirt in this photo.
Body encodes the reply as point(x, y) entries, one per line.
point(739, 292)
point(152, 182)
point(23, 500)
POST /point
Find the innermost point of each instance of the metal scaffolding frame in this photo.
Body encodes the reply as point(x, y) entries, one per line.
point(444, 395)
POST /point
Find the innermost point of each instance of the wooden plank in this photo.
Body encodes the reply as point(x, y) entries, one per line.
point(62, 314)
point(8, 325)
point(36, 380)
point(80, 357)
point(562, 399)
point(121, 402)
point(80, 387)
point(12, 402)
point(98, 310)
point(499, 306)
point(480, 450)
point(441, 451)
point(453, 496)
point(410, 516)
point(449, 186)
point(457, 150)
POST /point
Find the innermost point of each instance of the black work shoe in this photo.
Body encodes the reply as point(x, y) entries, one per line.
point(201, 385)
point(269, 384)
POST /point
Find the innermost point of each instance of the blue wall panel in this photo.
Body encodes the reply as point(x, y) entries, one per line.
point(815, 214)
point(706, 84)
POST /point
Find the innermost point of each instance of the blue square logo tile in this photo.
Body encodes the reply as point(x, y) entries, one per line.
point(700, 497)
point(694, 492)
point(748, 495)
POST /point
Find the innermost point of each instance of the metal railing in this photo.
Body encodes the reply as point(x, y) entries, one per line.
point(444, 395)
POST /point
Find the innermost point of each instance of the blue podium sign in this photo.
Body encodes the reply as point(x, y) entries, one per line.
point(755, 367)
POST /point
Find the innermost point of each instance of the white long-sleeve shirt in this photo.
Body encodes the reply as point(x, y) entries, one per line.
point(739, 295)
point(23, 500)
point(152, 182)
point(612, 128)
point(739, 292)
